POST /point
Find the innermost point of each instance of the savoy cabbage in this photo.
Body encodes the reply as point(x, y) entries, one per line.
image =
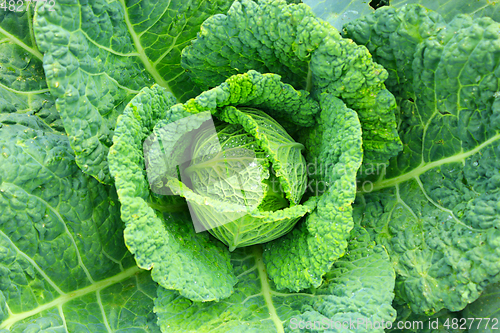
point(343, 161)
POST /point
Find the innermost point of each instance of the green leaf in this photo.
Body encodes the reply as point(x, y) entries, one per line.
point(487, 307)
point(339, 12)
point(299, 259)
point(359, 287)
point(180, 259)
point(436, 207)
point(98, 55)
point(451, 8)
point(392, 37)
point(23, 89)
point(63, 263)
point(443, 321)
point(270, 36)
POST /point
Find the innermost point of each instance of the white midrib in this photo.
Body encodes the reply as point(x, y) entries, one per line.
point(58, 302)
point(266, 290)
point(142, 54)
point(424, 167)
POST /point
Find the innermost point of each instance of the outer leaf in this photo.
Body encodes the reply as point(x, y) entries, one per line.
point(359, 287)
point(22, 82)
point(436, 210)
point(486, 306)
point(272, 37)
point(443, 321)
point(181, 259)
point(451, 8)
point(63, 264)
point(300, 259)
point(392, 36)
point(101, 53)
point(339, 12)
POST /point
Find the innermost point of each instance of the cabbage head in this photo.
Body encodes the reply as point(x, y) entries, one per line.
point(253, 161)
point(323, 90)
point(232, 166)
point(242, 175)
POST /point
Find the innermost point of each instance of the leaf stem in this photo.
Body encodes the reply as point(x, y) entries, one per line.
point(71, 296)
point(142, 54)
point(266, 289)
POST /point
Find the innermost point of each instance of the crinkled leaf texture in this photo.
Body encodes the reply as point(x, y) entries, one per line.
point(99, 54)
point(63, 264)
point(299, 259)
point(282, 151)
point(319, 240)
point(23, 89)
point(270, 36)
point(180, 259)
point(236, 223)
point(359, 287)
point(258, 225)
point(395, 51)
point(436, 210)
